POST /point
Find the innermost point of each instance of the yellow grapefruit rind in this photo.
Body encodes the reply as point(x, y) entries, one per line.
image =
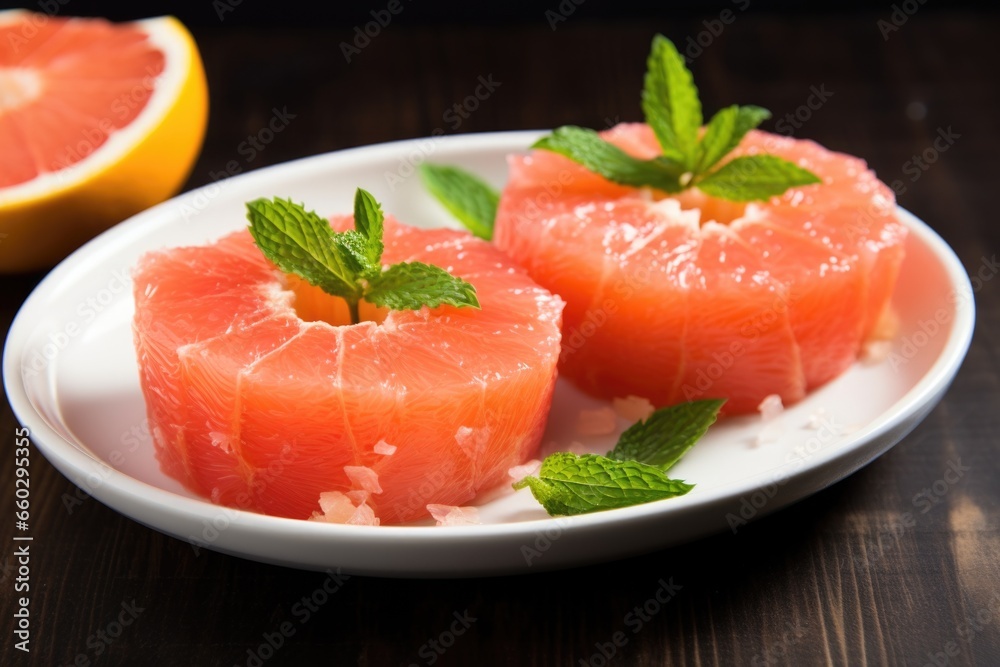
point(39, 230)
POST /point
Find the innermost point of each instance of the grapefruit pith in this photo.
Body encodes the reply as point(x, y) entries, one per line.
point(98, 121)
point(261, 396)
point(682, 297)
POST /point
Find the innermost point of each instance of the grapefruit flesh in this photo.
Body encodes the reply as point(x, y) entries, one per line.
point(63, 97)
point(97, 121)
point(677, 298)
point(262, 396)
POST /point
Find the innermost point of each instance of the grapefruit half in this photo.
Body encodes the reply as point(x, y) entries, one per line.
point(98, 121)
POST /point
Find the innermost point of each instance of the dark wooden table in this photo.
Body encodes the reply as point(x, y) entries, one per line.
point(831, 580)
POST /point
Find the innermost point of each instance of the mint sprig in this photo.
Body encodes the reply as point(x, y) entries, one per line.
point(673, 110)
point(468, 198)
point(632, 473)
point(348, 264)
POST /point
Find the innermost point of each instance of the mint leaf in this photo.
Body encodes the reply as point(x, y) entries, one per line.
point(301, 242)
point(725, 131)
point(754, 177)
point(412, 285)
point(666, 435)
point(569, 484)
point(353, 252)
point(369, 222)
point(670, 102)
point(588, 148)
point(466, 197)
point(718, 134)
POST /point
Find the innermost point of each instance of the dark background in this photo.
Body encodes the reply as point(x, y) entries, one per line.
point(206, 13)
point(830, 580)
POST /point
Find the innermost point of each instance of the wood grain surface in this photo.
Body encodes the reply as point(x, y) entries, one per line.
point(873, 570)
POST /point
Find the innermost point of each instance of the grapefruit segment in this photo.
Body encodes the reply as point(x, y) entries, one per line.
point(212, 394)
point(681, 297)
point(261, 398)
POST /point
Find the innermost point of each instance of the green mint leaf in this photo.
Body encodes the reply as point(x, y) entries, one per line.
point(466, 197)
point(301, 242)
point(369, 223)
point(353, 251)
point(570, 484)
point(670, 102)
point(754, 177)
point(725, 131)
point(412, 285)
point(666, 435)
point(718, 135)
point(586, 147)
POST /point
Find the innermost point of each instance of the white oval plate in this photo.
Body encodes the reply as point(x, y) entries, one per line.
point(71, 377)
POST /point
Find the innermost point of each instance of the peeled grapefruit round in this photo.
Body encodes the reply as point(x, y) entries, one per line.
point(98, 121)
point(681, 297)
point(262, 397)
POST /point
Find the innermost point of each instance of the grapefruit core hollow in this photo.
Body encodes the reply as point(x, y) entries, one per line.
point(261, 396)
point(684, 297)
